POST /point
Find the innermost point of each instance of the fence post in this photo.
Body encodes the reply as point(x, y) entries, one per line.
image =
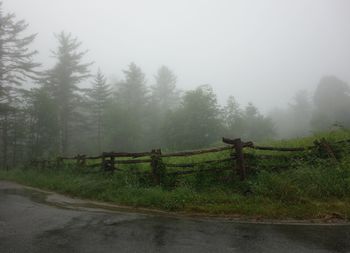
point(324, 145)
point(155, 164)
point(103, 164)
point(233, 162)
point(238, 146)
point(108, 164)
point(112, 163)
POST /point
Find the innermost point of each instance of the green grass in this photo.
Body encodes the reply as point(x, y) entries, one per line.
point(312, 188)
point(337, 135)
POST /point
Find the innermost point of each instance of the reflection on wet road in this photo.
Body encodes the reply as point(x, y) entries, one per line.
point(28, 223)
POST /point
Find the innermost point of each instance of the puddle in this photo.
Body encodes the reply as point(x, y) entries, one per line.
point(35, 196)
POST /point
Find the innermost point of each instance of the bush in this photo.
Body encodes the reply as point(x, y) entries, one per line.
point(321, 181)
point(276, 186)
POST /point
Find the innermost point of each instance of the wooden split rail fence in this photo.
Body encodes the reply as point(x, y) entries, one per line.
point(236, 161)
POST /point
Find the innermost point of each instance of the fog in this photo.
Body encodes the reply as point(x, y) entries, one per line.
point(257, 51)
point(87, 77)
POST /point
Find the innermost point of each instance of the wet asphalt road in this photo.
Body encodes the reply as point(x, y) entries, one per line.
point(31, 222)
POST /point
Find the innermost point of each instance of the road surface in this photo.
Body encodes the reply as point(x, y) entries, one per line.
point(34, 221)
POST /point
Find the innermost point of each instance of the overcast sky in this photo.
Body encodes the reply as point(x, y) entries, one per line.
point(259, 51)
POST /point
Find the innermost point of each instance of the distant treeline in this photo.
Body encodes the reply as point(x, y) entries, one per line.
point(326, 109)
point(59, 117)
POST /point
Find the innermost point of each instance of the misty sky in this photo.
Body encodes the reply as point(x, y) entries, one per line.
point(259, 51)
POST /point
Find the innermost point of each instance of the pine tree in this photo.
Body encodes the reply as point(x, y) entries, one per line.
point(256, 126)
point(233, 118)
point(164, 93)
point(164, 98)
point(62, 82)
point(196, 124)
point(42, 124)
point(16, 60)
point(132, 91)
point(98, 100)
point(332, 102)
point(301, 110)
point(127, 126)
point(16, 66)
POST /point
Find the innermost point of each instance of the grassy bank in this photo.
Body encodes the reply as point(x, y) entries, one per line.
point(312, 188)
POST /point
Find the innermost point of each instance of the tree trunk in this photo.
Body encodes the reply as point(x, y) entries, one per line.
point(5, 140)
point(99, 132)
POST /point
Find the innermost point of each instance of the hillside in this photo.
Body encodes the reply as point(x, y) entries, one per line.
point(279, 185)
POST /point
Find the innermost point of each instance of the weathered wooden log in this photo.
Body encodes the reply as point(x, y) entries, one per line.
point(155, 165)
point(239, 145)
point(196, 152)
point(238, 155)
point(234, 141)
point(190, 165)
point(251, 145)
point(112, 161)
point(103, 164)
point(180, 165)
point(233, 162)
point(108, 163)
point(133, 161)
point(126, 154)
point(325, 146)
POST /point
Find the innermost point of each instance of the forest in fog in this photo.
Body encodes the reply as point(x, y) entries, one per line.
point(49, 111)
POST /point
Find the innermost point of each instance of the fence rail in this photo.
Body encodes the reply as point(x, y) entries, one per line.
point(236, 161)
point(197, 152)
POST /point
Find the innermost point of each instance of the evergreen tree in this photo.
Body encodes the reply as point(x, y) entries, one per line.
point(233, 118)
point(332, 103)
point(164, 93)
point(127, 126)
point(16, 65)
point(99, 97)
point(196, 123)
point(13, 130)
point(257, 127)
point(132, 91)
point(164, 98)
point(62, 82)
point(43, 126)
point(16, 60)
point(301, 110)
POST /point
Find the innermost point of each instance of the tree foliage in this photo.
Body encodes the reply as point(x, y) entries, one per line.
point(16, 66)
point(196, 123)
point(98, 99)
point(59, 117)
point(164, 92)
point(126, 124)
point(16, 59)
point(63, 81)
point(332, 103)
